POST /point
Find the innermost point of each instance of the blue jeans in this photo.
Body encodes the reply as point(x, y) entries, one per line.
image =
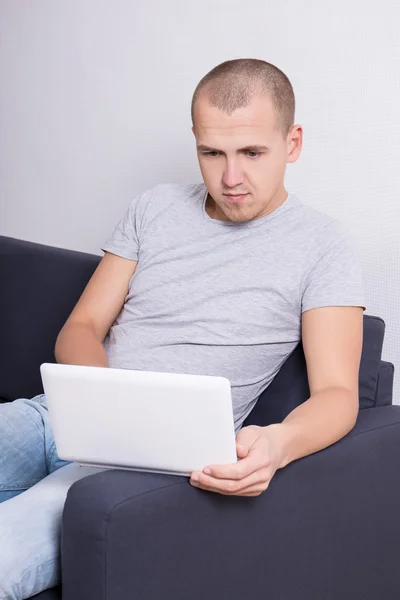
point(34, 483)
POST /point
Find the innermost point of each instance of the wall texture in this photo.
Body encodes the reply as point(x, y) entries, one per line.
point(94, 108)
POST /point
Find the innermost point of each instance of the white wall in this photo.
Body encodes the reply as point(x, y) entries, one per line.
point(94, 107)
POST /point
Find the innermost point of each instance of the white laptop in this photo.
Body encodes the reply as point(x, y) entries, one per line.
point(140, 420)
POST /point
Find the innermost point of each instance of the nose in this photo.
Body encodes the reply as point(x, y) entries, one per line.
point(232, 175)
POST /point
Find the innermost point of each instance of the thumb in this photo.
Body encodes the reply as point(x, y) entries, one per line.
point(241, 451)
point(244, 441)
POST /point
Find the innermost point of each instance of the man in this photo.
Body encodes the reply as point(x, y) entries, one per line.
point(221, 278)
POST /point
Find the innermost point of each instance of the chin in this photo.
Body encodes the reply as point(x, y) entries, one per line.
point(239, 214)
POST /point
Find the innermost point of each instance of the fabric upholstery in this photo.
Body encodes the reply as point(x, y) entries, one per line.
point(327, 527)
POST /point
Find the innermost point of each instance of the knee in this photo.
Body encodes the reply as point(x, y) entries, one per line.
point(22, 449)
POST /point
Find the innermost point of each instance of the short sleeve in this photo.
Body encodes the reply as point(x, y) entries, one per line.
point(125, 239)
point(333, 274)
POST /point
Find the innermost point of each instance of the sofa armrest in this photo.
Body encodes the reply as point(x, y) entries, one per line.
point(327, 527)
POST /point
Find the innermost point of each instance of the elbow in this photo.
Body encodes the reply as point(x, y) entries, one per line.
point(353, 408)
point(63, 340)
point(58, 345)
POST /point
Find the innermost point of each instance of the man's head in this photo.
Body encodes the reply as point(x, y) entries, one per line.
point(243, 121)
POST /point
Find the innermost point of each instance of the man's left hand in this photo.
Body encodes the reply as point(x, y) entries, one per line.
point(261, 451)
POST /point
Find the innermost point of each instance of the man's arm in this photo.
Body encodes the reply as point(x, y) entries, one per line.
point(332, 341)
point(80, 341)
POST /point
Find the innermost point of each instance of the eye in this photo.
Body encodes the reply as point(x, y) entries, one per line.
point(211, 153)
point(253, 154)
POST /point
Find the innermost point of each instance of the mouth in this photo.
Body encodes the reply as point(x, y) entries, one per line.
point(235, 197)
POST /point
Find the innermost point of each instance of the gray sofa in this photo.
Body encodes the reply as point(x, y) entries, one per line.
point(326, 529)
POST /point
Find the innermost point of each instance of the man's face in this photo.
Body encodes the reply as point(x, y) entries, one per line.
point(243, 158)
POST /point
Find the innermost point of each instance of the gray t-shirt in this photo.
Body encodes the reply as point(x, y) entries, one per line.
point(213, 297)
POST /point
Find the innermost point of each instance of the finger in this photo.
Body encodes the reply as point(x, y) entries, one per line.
point(239, 470)
point(246, 438)
point(255, 490)
point(252, 491)
point(229, 486)
point(241, 451)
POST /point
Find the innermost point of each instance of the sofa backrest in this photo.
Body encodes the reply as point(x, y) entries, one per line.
point(40, 285)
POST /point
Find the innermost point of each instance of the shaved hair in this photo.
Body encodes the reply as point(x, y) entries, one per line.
point(233, 84)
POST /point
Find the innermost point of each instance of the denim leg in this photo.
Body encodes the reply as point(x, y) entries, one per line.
point(30, 530)
point(27, 448)
point(30, 522)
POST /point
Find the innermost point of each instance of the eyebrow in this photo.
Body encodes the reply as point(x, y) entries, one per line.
point(253, 148)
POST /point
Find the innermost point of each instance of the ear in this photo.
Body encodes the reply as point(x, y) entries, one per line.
point(294, 143)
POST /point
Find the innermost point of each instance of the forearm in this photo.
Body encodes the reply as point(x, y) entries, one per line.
point(322, 420)
point(77, 344)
